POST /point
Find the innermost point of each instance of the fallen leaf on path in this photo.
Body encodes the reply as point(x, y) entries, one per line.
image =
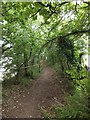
point(55, 98)
point(14, 106)
point(20, 104)
point(23, 95)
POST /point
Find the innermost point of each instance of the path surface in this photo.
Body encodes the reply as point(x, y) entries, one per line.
point(47, 90)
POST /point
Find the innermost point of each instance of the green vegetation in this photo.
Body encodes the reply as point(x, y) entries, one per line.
point(76, 105)
point(56, 33)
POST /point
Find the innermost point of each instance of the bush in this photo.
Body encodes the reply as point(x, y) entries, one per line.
point(25, 81)
point(76, 105)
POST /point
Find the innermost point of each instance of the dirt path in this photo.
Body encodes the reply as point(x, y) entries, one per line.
point(47, 90)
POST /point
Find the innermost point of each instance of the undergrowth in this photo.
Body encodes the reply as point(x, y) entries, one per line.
point(76, 105)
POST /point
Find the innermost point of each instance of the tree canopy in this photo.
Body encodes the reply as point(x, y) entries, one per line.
point(53, 29)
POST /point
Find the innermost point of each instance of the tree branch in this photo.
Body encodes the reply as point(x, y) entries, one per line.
point(46, 44)
point(35, 13)
point(48, 5)
point(63, 36)
point(5, 49)
point(87, 3)
point(63, 3)
point(77, 32)
point(51, 8)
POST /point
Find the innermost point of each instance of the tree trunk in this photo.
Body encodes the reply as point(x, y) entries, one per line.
point(16, 81)
point(25, 65)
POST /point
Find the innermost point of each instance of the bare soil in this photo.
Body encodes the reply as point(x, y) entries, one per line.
point(47, 90)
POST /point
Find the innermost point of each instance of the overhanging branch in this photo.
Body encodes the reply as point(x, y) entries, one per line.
point(61, 4)
point(48, 5)
point(36, 12)
point(5, 49)
point(72, 33)
point(77, 32)
point(87, 3)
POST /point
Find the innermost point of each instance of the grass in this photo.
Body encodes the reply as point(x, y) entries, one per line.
point(24, 82)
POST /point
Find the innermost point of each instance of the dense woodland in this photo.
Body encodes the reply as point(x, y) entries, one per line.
point(52, 33)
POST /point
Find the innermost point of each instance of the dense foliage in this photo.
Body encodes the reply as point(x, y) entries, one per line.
point(57, 32)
